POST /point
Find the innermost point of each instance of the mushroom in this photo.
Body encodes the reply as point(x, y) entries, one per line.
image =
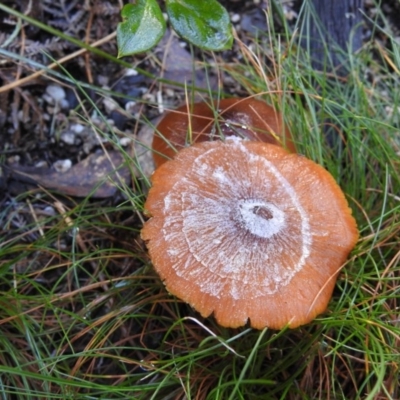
point(247, 118)
point(248, 231)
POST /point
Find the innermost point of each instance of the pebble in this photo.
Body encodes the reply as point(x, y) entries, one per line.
point(56, 92)
point(130, 106)
point(235, 18)
point(68, 137)
point(125, 141)
point(149, 97)
point(14, 159)
point(169, 92)
point(62, 165)
point(88, 146)
point(103, 80)
point(49, 210)
point(64, 104)
point(109, 104)
point(23, 116)
point(77, 128)
point(131, 72)
point(41, 164)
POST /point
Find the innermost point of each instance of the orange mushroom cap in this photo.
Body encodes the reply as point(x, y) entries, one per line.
point(248, 231)
point(247, 118)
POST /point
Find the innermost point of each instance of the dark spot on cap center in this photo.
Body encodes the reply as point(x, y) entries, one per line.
point(263, 212)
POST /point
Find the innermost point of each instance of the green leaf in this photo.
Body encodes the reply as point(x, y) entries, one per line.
point(143, 27)
point(204, 23)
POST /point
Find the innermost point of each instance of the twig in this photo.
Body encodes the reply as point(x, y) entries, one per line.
point(35, 75)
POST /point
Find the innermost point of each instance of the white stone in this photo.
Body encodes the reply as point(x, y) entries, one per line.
point(77, 128)
point(64, 104)
point(110, 104)
point(235, 18)
point(130, 72)
point(50, 211)
point(62, 165)
point(68, 137)
point(14, 159)
point(125, 141)
point(41, 164)
point(129, 106)
point(56, 92)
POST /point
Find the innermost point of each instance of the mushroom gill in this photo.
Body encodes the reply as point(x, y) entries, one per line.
point(246, 118)
point(248, 231)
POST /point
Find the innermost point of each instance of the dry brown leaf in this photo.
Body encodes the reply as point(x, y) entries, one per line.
point(97, 176)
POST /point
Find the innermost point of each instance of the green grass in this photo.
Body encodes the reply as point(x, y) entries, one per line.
point(83, 314)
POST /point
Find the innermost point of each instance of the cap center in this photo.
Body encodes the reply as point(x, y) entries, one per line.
point(263, 212)
point(261, 218)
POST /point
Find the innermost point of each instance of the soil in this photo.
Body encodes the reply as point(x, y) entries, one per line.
point(40, 119)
